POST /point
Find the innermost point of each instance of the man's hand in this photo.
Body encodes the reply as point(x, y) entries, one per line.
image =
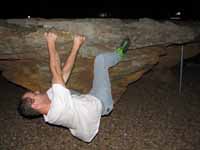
point(50, 37)
point(78, 41)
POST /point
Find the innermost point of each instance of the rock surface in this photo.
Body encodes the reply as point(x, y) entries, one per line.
point(24, 56)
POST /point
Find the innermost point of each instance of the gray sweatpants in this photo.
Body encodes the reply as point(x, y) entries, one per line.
point(101, 87)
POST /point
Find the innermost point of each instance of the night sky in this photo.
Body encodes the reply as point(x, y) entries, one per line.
point(99, 9)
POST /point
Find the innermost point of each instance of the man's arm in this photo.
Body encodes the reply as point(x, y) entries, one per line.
point(67, 68)
point(54, 60)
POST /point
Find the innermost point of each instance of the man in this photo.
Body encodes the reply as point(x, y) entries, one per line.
point(80, 113)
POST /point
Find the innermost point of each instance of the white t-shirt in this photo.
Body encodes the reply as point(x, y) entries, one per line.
point(81, 114)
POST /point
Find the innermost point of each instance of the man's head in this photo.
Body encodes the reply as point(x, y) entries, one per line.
point(32, 104)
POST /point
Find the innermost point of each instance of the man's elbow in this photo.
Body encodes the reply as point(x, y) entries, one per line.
point(55, 70)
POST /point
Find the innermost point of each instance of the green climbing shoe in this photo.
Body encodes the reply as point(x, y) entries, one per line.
point(123, 47)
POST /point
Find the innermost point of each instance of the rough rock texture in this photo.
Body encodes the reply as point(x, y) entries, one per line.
point(24, 55)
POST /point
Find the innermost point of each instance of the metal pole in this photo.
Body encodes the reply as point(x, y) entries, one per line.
point(181, 70)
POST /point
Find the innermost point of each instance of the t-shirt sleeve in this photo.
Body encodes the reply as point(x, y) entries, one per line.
point(60, 99)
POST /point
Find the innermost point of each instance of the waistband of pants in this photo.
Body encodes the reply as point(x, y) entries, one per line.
point(103, 106)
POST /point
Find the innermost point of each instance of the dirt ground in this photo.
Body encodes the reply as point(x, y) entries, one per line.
point(151, 115)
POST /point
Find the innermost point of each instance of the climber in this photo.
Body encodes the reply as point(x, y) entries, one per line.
point(80, 113)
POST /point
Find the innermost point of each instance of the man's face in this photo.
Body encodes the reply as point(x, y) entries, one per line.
point(35, 96)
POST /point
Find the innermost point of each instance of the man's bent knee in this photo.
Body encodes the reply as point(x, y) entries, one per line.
point(99, 58)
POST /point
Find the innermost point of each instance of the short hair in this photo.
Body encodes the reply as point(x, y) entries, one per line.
point(25, 109)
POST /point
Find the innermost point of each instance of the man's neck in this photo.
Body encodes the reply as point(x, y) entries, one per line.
point(46, 105)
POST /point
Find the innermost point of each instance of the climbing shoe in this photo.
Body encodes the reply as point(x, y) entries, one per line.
point(123, 47)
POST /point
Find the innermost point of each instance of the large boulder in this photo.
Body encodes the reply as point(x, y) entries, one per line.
point(24, 56)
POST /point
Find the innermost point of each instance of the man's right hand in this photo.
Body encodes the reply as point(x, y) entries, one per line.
point(50, 37)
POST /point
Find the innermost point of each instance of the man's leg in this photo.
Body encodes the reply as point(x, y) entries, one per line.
point(101, 87)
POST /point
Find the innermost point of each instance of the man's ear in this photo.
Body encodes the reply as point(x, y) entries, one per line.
point(24, 95)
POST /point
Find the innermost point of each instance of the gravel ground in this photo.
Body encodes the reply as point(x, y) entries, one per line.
point(151, 115)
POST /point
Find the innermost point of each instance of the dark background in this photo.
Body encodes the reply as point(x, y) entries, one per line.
point(99, 9)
